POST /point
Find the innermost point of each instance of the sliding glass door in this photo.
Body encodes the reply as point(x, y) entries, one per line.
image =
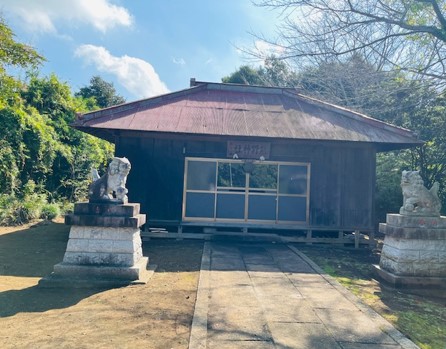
point(223, 190)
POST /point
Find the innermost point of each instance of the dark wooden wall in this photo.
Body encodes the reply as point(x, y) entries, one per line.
point(342, 176)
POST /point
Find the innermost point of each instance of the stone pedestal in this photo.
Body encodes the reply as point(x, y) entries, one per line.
point(414, 253)
point(104, 248)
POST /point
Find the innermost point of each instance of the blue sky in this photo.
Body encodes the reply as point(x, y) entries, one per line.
point(145, 47)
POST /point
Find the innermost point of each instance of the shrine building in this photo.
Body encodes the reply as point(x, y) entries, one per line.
point(227, 159)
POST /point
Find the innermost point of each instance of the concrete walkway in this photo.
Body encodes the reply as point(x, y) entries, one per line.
point(267, 295)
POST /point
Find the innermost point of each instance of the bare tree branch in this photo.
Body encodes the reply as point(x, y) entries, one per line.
point(409, 35)
point(401, 23)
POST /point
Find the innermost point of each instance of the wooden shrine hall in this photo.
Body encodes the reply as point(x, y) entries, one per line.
point(226, 159)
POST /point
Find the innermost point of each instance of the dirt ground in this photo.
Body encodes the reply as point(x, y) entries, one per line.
point(159, 314)
point(156, 315)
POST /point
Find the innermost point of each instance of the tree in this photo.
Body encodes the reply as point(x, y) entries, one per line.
point(358, 85)
point(52, 98)
point(278, 73)
point(102, 91)
point(430, 122)
point(17, 55)
point(394, 98)
point(274, 73)
point(38, 146)
point(17, 125)
point(41, 157)
point(76, 152)
point(28, 147)
point(13, 53)
point(245, 75)
point(405, 35)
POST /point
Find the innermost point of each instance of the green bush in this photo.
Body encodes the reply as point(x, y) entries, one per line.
point(16, 210)
point(66, 207)
point(31, 208)
point(6, 204)
point(50, 211)
point(20, 212)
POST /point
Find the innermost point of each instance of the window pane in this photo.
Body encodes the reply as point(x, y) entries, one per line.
point(263, 176)
point(262, 207)
point(231, 175)
point(292, 208)
point(231, 206)
point(201, 175)
point(200, 205)
point(293, 179)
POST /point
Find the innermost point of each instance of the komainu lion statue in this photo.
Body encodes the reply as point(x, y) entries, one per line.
point(417, 200)
point(111, 186)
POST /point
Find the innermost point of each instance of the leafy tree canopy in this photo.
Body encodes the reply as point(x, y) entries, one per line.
point(41, 157)
point(274, 73)
point(15, 53)
point(245, 75)
point(38, 144)
point(102, 91)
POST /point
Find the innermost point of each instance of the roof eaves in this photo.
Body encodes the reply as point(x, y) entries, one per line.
point(381, 146)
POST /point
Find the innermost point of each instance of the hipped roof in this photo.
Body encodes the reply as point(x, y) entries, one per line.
point(216, 109)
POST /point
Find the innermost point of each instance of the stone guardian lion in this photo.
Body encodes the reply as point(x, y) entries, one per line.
point(111, 186)
point(417, 199)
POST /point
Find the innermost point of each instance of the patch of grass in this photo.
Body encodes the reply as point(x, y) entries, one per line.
point(358, 287)
point(424, 328)
point(328, 269)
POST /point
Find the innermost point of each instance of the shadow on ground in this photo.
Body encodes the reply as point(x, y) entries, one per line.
point(33, 252)
point(35, 299)
point(174, 255)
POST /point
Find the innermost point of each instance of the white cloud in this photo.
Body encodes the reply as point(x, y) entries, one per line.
point(179, 61)
point(43, 15)
point(136, 75)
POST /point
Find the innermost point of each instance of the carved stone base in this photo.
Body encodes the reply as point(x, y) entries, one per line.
point(81, 276)
point(100, 254)
point(414, 246)
point(414, 252)
point(423, 285)
point(103, 246)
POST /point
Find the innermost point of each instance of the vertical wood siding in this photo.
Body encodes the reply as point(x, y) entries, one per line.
point(342, 177)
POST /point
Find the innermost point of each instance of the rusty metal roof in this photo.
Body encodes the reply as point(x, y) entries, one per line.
point(245, 111)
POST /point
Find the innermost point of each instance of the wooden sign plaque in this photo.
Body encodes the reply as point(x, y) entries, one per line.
point(248, 150)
